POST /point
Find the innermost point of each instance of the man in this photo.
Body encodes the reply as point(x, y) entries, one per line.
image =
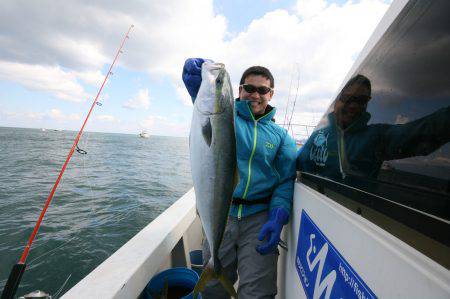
point(262, 199)
point(348, 148)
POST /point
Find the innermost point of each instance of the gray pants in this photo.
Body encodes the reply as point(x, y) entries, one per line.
point(257, 273)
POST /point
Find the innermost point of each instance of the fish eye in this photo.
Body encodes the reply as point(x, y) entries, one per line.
point(218, 81)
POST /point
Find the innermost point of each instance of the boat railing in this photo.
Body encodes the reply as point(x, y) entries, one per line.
point(164, 243)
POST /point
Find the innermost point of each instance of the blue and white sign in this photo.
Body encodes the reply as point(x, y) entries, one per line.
point(323, 271)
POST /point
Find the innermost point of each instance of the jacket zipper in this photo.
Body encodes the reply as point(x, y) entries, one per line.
point(341, 151)
point(255, 122)
point(343, 164)
point(255, 134)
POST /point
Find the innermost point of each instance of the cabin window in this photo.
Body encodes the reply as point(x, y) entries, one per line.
point(387, 132)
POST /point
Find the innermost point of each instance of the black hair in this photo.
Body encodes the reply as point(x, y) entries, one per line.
point(360, 80)
point(257, 70)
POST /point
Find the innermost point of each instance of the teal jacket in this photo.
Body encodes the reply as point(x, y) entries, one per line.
point(265, 159)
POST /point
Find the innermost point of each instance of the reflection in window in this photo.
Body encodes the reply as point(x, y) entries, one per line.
point(387, 131)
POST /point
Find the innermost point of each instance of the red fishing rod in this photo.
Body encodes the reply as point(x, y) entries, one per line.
point(19, 268)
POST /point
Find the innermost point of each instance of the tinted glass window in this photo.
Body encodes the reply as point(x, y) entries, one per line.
point(388, 130)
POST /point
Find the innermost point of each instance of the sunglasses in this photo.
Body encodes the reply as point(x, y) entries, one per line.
point(262, 90)
point(362, 99)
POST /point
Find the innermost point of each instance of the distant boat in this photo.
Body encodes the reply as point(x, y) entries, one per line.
point(43, 129)
point(144, 134)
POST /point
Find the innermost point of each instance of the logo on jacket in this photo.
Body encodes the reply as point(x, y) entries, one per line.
point(319, 150)
point(269, 145)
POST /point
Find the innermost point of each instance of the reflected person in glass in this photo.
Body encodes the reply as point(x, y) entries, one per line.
point(349, 146)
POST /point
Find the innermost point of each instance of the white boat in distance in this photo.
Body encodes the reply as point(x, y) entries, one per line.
point(144, 134)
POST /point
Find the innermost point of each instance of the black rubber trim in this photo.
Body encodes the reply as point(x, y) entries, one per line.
point(430, 225)
point(249, 202)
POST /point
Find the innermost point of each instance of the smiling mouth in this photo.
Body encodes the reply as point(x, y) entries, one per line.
point(254, 101)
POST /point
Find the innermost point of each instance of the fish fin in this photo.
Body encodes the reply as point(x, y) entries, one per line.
point(207, 132)
point(207, 275)
point(226, 283)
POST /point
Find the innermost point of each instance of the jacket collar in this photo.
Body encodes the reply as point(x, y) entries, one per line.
point(356, 125)
point(243, 110)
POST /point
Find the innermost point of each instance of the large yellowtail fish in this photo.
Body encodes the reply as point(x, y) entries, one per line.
point(213, 162)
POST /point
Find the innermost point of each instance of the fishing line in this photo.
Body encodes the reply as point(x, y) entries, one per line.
point(295, 99)
point(48, 252)
point(19, 268)
point(94, 223)
point(288, 99)
point(84, 168)
point(62, 287)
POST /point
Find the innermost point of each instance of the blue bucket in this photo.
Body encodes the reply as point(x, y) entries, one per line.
point(181, 283)
point(196, 261)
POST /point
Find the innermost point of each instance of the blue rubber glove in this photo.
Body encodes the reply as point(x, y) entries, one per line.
point(271, 230)
point(192, 75)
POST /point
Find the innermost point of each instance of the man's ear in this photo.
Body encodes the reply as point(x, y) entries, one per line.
point(271, 94)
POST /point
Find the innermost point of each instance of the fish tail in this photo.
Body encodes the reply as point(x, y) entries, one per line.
point(226, 283)
point(209, 274)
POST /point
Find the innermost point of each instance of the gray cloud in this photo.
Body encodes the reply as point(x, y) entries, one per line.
point(85, 34)
point(80, 37)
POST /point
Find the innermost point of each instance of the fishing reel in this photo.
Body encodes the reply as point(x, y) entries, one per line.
point(36, 294)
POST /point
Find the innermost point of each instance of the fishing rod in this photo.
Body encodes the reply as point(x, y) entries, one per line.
point(19, 268)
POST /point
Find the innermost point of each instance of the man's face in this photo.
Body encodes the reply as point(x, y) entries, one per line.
point(351, 103)
point(259, 101)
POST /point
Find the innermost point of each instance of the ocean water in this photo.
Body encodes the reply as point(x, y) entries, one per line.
point(104, 199)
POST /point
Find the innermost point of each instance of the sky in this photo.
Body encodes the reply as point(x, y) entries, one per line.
point(55, 54)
